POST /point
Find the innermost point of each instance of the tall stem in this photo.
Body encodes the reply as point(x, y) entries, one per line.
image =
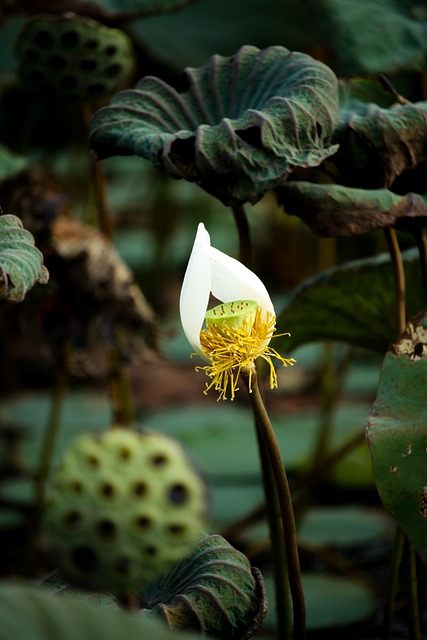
point(280, 565)
point(245, 244)
point(250, 379)
point(399, 280)
point(421, 240)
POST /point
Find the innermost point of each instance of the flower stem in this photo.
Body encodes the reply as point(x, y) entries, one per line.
point(243, 229)
point(280, 565)
point(392, 584)
point(266, 430)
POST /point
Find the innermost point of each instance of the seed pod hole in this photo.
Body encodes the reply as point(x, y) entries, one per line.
point(72, 519)
point(56, 62)
point(177, 528)
point(123, 565)
point(139, 488)
point(88, 65)
point(159, 459)
point(125, 453)
point(70, 39)
point(92, 460)
point(92, 43)
point(43, 39)
point(111, 50)
point(107, 490)
point(150, 550)
point(143, 522)
point(178, 493)
point(76, 487)
point(84, 559)
point(106, 529)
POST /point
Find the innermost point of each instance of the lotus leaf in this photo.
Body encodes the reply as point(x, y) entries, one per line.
point(239, 126)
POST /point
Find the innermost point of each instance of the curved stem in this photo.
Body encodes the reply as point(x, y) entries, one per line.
point(414, 612)
point(250, 379)
point(399, 280)
point(280, 565)
point(245, 244)
point(392, 583)
point(421, 240)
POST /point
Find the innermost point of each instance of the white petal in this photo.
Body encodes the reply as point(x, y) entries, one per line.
point(196, 289)
point(231, 280)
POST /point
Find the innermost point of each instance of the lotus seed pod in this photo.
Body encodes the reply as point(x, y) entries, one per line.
point(74, 58)
point(123, 507)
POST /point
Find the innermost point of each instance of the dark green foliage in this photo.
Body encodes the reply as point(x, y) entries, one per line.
point(238, 126)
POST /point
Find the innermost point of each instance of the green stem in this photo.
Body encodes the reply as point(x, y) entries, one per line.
point(243, 229)
point(280, 568)
point(421, 240)
point(392, 584)
point(414, 615)
point(399, 280)
point(120, 386)
point(250, 379)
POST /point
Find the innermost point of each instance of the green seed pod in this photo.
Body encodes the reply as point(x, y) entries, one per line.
point(73, 58)
point(123, 507)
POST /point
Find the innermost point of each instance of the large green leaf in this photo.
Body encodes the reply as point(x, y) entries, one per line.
point(353, 303)
point(331, 210)
point(238, 128)
point(397, 433)
point(21, 263)
point(30, 614)
point(378, 144)
point(375, 36)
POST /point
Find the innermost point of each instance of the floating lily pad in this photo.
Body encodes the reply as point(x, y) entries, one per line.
point(331, 601)
point(21, 263)
point(238, 126)
point(352, 303)
point(397, 433)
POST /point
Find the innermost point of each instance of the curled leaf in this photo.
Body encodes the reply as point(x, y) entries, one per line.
point(239, 126)
point(21, 263)
point(335, 211)
point(213, 591)
point(397, 433)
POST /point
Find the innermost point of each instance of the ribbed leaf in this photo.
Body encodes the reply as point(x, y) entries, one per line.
point(21, 263)
point(30, 614)
point(397, 433)
point(377, 144)
point(238, 128)
point(335, 211)
point(353, 303)
point(213, 590)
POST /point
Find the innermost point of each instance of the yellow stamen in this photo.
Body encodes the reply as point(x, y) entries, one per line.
point(233, 348)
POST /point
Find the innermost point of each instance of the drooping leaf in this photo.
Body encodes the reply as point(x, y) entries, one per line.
point(397, 433)
point(374, 36)
point(213, 591)
point(238, 128)
point(379, 144)
point(335, 211)
point(32, 614)
point(21, 263)
point(353, 303)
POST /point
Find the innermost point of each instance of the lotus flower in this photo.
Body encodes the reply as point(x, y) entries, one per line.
point(237, 331)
